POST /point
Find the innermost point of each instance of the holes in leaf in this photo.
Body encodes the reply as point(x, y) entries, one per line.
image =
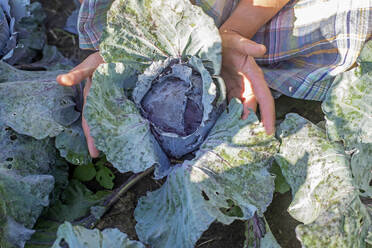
point(14, 114)
point(9, 159)
point(205, 196)
point(217, 193)
point(13, 137)
point(232, 210)
point(362, 191)
point(9, 166)
point(63, 244)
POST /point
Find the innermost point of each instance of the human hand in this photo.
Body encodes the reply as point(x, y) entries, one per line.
point(244, 78)
point(84, 71)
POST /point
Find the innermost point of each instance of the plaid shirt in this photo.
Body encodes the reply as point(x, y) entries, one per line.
point(308, 42)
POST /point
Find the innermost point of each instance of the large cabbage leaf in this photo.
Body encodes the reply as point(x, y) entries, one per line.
point(27, 167)
point(9, 73)
point(229, 171)
point(118, 128)
point(181, 104)
point(139, 32)
point(325, 197)
point(37, 107)
point(348, 113)
point(74, 204)
point(80, 237)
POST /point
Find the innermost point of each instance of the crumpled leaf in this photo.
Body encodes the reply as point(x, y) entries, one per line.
point(72, 145)
point(325, 198)
point(26, 181)
point(139, 32)
point(74, 204)
point(230, 170)
point(80, 237)
point(348, 112)
point(39, 108)
point(118, 128)
point(170, 105)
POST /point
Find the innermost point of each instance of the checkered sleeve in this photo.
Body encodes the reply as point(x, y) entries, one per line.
point(308, 42)
point(91, 21)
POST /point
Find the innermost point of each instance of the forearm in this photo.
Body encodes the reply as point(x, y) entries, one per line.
point(251, 15)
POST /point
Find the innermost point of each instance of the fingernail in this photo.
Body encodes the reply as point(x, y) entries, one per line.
point(263, 49)
point(65, 80)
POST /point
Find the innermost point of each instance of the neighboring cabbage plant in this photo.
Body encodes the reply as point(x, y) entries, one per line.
point(23, 37)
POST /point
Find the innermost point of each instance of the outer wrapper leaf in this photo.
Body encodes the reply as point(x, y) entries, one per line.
point(80, 237)
point(349, 119)
point(38, 108)
point(213, 103)
point(230, 166)
point(26, 181)
point(118, 128)
point(325, 197)
point(139, 32)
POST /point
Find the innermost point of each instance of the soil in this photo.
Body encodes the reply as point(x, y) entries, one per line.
point(57, 12)
point(121, 215)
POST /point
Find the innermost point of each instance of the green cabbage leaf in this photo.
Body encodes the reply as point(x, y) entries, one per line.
point(325, 197)
point(29, 173)
point(36, 105)
point(140, 32)
point(348, 114)
point(74, 204)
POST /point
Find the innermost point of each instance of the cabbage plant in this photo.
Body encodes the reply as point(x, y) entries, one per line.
point(160, 98)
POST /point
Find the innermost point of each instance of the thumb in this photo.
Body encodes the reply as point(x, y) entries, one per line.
point(235, 41)
point(82, 71)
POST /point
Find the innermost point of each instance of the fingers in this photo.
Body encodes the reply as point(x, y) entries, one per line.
point(234, 41)
point(94, 153)
point(82, 71)
point(262, 94)
point(248, 98)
